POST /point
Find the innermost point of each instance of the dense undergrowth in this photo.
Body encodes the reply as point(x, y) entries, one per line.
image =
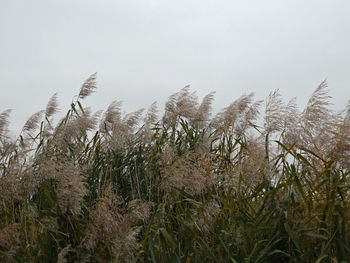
point(257, 182)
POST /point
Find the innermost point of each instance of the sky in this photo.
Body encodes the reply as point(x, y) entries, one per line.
point(145, 50)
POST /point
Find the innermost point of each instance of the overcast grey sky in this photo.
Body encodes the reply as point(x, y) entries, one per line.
point(146, 50)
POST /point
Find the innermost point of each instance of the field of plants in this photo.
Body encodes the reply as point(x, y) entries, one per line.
point(260, 181)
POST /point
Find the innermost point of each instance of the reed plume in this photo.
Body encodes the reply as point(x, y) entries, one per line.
point(52, 106)
point(88, 87)
point(249, 184)
point(4, 122)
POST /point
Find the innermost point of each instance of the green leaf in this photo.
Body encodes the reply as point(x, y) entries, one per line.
point(291, 235)
point(167, 236)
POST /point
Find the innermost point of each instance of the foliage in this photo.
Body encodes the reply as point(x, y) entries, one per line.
point(187, 187)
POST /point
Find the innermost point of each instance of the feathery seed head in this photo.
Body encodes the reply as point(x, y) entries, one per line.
point(88, 87)
point(52, 106)
point(4, 121)
point(274, 112)
point(33, 122)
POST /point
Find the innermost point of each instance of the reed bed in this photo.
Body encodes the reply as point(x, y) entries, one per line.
point(261, 181)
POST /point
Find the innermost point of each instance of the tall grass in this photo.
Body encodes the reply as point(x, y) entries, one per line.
point(239, 186)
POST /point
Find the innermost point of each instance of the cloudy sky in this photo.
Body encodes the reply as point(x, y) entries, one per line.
point(145, 50)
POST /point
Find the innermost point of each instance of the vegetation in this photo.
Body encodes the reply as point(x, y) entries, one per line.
point(236, 187)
